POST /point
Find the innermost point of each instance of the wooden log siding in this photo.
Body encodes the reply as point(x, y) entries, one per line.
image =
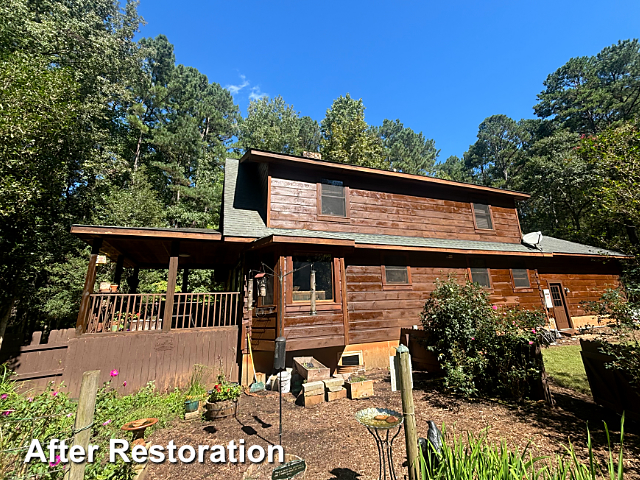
point(582, 288)
point(146, 311)
point(293, 204)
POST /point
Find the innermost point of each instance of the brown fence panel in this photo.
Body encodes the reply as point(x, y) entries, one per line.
point(167, 358)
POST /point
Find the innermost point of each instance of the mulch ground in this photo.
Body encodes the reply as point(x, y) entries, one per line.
point(336, 447)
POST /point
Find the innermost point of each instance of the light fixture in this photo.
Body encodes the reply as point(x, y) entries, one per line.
point(184, 255)
point(261, 280)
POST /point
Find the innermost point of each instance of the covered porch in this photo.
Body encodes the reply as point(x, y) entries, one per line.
point(121, 307)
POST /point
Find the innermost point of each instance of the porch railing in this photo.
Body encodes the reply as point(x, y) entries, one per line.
point(117, 312)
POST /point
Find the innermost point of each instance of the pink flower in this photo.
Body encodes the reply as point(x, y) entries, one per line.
point(106, 423)
point(6, 413)
point(55, 394)
point(494, 307)
point(3, 396)
point(114, 373)
point(530, 342)
point(124, 384)
point(30, 399)
point(473, 338)
point(533, 330)
point(69, 414)
point(55, 464)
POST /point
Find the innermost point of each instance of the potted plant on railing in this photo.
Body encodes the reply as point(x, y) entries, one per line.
point(196, 391)
point(223, 399)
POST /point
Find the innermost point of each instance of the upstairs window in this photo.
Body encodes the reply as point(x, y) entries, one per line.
point(482, 216)
point(333, 198)
point(396, 271)
point(520, 278)
point(322, 264)
point(480, 273)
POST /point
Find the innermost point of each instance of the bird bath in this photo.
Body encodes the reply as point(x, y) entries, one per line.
point(379, 420)
point(137, 427)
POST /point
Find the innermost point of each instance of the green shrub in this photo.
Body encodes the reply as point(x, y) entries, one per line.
point(483, 350)
point(625, 345)
point(478, 459)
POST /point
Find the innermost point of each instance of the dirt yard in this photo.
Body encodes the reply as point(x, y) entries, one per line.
point(335, 446)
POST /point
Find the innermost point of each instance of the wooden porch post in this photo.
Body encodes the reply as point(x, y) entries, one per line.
point(134, 280)
point(89, 282)
point(119, 268)
point(171, 285)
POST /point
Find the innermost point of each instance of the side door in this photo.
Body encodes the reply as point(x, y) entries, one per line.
point(563, 320)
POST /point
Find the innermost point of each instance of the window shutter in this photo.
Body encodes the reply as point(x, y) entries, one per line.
point(483, 216)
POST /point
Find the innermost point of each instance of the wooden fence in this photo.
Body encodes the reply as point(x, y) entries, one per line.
point(139, 357)
point(116, 312)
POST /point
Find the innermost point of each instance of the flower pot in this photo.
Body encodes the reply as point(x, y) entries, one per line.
point(223, 409)
point(191, 405)
point(114, 288)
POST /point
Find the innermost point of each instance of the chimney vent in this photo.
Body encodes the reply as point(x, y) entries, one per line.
point(314, 155)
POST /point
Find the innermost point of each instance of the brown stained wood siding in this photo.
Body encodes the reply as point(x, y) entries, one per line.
point(294, 204)
point(582, 288)
point(167, 358)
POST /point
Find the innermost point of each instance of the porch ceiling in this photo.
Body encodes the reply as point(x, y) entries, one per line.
point(150, 247)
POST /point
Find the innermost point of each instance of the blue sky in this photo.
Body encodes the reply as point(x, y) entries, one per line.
point(440, 67)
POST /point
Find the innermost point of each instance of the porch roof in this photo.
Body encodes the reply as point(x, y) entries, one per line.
point(150, 247)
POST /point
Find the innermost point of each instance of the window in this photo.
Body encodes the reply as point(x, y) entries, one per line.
point(333, 199)
point(520, 278)
point(395, 270)
point(482, 216)
point(302, 265)
point(480, 273)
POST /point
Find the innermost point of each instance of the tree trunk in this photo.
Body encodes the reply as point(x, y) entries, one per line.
point(632, 233)
point(5, 313)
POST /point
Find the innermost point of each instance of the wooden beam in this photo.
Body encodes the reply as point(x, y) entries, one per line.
point(460, 251)
point(171, 285)
point(345, 312)
point(168, 233)
point(89, 282)
point(119, 267)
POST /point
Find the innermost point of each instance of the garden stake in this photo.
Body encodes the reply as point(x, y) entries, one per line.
point(408, 412)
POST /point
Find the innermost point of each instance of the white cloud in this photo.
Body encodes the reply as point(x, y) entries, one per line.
point(234, 89)
point(256, 94)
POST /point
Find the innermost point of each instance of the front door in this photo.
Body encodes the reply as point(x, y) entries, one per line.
point(559, 306)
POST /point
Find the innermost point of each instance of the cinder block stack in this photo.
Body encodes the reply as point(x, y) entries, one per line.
point(334, 389)
point(313, 393)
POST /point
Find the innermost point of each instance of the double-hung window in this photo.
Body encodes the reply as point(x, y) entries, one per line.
point(333, 199)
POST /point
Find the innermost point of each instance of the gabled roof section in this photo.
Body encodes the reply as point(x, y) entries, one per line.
point(242, 219)
point(254, 155)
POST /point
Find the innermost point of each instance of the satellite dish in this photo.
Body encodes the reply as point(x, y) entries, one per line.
point(532, 239)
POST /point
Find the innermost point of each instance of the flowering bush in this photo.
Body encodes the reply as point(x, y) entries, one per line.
point(482, 349)
point(224, 390)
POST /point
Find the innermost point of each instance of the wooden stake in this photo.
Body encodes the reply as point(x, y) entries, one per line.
point(312, 283)
point(84, 419)
point(410, 432)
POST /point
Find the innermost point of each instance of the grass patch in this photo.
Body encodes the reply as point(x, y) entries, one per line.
point(564, 365)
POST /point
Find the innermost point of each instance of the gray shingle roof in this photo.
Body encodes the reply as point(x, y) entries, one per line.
point(242, 218)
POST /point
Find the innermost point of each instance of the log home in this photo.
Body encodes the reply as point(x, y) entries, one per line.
point(376, 242)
